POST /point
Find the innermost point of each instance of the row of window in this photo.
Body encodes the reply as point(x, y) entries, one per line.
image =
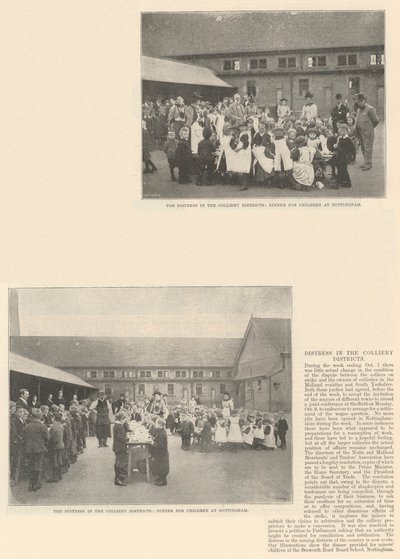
point(159, 374)
point(376, 59)
point(354, 85)
point(171, 389)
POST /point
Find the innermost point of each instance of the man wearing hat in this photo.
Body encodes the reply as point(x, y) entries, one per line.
point(236, 111)
point(339, 112)
point(366, 122)
point(310, 110)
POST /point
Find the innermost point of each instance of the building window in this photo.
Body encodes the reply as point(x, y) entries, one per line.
point(354, 85)
point(222, 388)
point(91, 374)
point(377, 59)
point(199, 389)
point(231, 64)
point(304, 86)
point(281, 62)
point(177, 374)
point(347, 60)
point(258, 63)
point(253, 64)
point(108, 390)
point(141, 390)
point(127, 374)
point(236, 64)
point(148, 374)
point(229, 374)
point(292, 62)
point(108, 374)
point(313, 61)
point(160, 374)
point(170, 390)
point(197, 374)
point(251, 89)
point(183, 374)
point(259, 384)
point(142, 374)
point(262, 63)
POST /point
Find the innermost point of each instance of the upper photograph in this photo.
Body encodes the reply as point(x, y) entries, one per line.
point(263, 104)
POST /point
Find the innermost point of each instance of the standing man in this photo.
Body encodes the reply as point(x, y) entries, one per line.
point(177, 116)
point(339, 112)
point(22, 401)
point(103, 428)
point(61, 399)
point(236, 111)
point(366, 122)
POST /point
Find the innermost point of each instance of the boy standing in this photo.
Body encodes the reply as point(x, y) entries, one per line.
point(184, 156)
point(169, 149)
point(205, 150)
point(345, 152)
point(282, 428)
point(56, 447)
point(36, 437)
point(120, 449)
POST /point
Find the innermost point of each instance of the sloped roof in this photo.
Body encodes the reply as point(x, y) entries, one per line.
point(275, 334)
point(69, 351)
point(162, 70)
point(178, 34)
point(26, 366)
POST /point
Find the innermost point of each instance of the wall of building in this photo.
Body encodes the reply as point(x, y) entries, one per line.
point(325, 82)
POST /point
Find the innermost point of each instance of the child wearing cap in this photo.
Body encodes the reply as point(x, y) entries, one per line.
point(36, 436)
point(56, 447)
point(345, 152)
point(120, 448)
point(169, 149)
point(184, 159)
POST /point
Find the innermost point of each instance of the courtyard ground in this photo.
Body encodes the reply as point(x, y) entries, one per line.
point(366, 184)
point(247, 477)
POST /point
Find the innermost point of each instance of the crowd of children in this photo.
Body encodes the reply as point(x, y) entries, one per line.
point(46, 440)
point(207, 143)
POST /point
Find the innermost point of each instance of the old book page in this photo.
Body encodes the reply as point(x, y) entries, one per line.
point(199, 278)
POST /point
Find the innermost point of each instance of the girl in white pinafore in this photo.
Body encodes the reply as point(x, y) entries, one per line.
point(242, 160)
point(234, 433)
point(269, 439)
point(220, 432)
point(303, 170)
point(247, 430)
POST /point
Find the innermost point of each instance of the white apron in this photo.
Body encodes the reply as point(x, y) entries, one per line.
point(266, 163)
point(282, 155)
point(303, 171)
point(242, 159)
point(224, 145)
point(196, 136)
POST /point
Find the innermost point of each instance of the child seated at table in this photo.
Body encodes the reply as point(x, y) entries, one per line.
point(120, 448)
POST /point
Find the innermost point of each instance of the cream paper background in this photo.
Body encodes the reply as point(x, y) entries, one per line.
point(71, 215)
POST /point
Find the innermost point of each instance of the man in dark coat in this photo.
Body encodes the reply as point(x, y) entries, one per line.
point(206, 436)
point(187, 431)
point(103, 429)
point(36, 436)
point(339, 112)
point(120, 449)
point(22, 401)
point(56, 447)
point(282, 428)
point(160, 453)
point(60, 399)
point(49, 402)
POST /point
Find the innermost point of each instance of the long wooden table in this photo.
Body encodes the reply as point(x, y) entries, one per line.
point(136, 452)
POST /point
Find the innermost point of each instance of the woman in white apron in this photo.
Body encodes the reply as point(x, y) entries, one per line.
point(269, 438)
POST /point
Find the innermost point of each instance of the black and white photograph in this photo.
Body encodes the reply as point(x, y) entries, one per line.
point(263, 104)
point(150, 395)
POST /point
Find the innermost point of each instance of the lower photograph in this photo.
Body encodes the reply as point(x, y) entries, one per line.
point(150, 395)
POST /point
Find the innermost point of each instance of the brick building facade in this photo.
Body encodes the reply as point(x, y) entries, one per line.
point(271, 55)
point(178, 367)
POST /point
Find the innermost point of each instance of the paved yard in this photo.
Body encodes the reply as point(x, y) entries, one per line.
point(246, 477)
point(365, 184)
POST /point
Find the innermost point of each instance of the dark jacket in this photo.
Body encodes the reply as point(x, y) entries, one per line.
point(205, 149)
point(170, 148)
point(160, 453)
point(282, 426)
point(119, 438)
point(36, 436)
point(345, 150)
point(183, 155)
point(339, 113)
point(206, 431)
point(56, 436)
point(20, 403)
